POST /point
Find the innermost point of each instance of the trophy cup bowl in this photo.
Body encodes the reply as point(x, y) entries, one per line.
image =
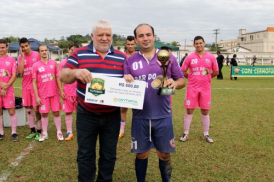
point(163, 57)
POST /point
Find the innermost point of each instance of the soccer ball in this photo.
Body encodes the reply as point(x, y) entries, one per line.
point(237, 70)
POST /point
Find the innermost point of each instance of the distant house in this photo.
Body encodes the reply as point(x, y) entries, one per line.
point(238, 49)
point(260, 41)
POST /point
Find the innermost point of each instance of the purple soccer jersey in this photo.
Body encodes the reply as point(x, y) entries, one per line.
point(155, 106)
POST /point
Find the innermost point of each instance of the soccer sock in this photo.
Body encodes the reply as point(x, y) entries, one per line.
point(38, 125)
point(141, 169)
point(13, 120)
point(45, 122)
point(187, 122)
point(166, 169)
point(30, 117)
point(206, 122)
point(69, 123)
point(122, 126)
point(57, 121)
point(1, 126)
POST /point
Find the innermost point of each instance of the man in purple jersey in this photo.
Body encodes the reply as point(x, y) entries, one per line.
point(93, 120)
point(152, 127)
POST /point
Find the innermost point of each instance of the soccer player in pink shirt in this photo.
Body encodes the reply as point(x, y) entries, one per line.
point(46, 92)
point(25, 61)
point(68, 93)
point(130, 45)
point(8, 73)
point(202, 67)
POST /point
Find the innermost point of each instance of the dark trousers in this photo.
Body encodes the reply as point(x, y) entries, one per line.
point(220, 76)
point(89, 125)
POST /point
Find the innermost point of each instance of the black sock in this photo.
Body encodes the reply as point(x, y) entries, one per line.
point(32, 130)
point(141, 169)
point(39, 131)
point(166, 169)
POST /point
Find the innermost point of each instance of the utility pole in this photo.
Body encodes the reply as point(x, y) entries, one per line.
point(216, 32)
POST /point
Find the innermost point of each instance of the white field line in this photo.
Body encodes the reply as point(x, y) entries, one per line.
point(5, 174)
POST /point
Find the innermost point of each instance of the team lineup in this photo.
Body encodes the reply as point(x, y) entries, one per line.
point(44, 83)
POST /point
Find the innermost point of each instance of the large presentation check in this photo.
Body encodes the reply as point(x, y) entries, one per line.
point(115, 92)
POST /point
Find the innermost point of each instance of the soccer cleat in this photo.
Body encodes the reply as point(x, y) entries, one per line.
point(184, 137)
point(2, 137)
point(60, 136)
point(38, 136)
point(14, 137)
point(31, 135)
point(208, 139)
point(69, 136)
point(43, 137)
point(121, 135)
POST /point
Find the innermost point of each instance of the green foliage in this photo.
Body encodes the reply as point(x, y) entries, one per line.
point(64, 45)
point(213, 48)
point(88, 37)
point(11, 39)
point(117, 39)
point(175, 43)
point(208, 44)
point(158, 39)
point(77, 39)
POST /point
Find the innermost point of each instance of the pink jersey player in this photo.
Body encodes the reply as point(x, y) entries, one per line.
point(202, 67)
point(25, 62)
point(69, 89)
point(27, 74)
point(7, 67)
point(46, 91)
point(45, 75)
point(8, 72)
point(199, 79)
point(68, 93)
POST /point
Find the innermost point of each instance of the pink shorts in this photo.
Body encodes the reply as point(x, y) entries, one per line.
point(48, 103)
point(28, 98)
point(7, 102)
point(69, 104)
point(195, 99)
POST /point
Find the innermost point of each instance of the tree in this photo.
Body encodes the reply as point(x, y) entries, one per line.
point(213, 48)
point(64, 45)
point(174, 43)
point(11, 39)
point(208, 44)
point(158, 39)
point(88, 37)
point(77, 39)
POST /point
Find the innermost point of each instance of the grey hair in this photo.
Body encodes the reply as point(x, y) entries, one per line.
point(104, 24)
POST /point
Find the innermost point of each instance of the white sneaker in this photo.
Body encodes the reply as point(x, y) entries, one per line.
point(208, 139)
point(43, 137)
point(184, 137)
point(60, 136)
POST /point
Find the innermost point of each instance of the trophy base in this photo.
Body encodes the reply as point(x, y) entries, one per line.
point(165, 91)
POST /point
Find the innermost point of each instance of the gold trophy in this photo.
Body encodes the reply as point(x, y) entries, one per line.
point(163, 57)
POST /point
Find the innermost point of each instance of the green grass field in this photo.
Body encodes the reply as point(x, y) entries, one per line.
point(241, 125)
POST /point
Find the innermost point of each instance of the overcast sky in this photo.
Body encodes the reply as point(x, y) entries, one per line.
point(173, 20)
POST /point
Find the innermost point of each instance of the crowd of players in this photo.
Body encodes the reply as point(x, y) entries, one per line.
point(151, 127)
point(41, 90)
